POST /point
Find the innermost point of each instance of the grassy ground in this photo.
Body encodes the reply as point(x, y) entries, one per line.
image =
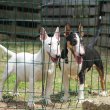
point(92, 84)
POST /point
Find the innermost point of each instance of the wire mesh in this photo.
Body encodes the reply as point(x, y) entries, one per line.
point(20, 22)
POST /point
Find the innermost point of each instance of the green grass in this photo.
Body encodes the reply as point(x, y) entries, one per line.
point(91, 79)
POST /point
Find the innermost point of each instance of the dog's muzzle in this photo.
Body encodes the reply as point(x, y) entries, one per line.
point(54, 59)
point(81, 55)
point(57, 56)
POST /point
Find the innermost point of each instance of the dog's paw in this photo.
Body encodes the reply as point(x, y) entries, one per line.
point(31, 105)
point(80, 101)
point(103, 93)
point(14, 93)
point(64, 98)
point(50, 71)
point(1, 98)
point(48, 102)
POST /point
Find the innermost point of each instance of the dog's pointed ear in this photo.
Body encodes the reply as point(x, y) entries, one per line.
point(43, 34)
point(80, 30)
point(57, 33)
point(68, 29)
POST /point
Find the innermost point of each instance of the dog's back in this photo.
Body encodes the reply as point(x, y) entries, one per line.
point(91, 57)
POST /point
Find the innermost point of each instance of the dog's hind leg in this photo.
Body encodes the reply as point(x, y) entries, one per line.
point(15, 92)
point(8, 70)
point(81, 86)
point(100, 69)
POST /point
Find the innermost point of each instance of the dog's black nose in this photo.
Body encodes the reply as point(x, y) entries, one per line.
point(57, 56)
point(81, 55)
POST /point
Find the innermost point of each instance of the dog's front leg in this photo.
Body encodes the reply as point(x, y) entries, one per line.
point(4, 78)
point(66, 86)
point(81, 87)
point(31, 92)
point(15, 91)
point(1, 89)
point(49, 88)
point(51, 68)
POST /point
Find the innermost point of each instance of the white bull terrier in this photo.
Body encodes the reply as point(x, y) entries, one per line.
point(30, 67)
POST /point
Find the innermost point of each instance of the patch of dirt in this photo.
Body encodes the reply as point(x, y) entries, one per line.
point(10, 103)
point(97, 103)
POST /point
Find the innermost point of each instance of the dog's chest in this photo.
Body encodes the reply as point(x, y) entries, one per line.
point(42, 71)
point(72, 67)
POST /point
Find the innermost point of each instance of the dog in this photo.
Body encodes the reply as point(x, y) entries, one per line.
point(30, 67)
point(80, 60)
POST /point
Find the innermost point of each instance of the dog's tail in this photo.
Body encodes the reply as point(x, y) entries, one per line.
point(10, 53)
point(98, 30)
point(97, 34)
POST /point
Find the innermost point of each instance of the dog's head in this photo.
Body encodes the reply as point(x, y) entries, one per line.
point(51, 44)
point(74, 41)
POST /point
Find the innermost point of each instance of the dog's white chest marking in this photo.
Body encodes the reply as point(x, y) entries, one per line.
point(72, 67)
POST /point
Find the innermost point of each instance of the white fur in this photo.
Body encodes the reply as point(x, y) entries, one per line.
point(103, 93)
point(79, 48)
point(81, 92)
point(28, 67)
point(71, 69)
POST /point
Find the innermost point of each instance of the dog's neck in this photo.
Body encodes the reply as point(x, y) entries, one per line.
point(78, 59)
point(45, 56)
point(72, 51)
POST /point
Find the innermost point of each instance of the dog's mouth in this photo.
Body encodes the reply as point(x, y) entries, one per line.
point(79, 59)
point(78, 56)
point(54, 59)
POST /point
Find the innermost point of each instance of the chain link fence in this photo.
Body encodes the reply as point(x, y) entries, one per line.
point(20, 22)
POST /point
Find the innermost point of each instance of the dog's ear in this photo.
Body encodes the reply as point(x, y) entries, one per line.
point(43, 34)
point(67, 29)
point(80, 30)
point(57, 34)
